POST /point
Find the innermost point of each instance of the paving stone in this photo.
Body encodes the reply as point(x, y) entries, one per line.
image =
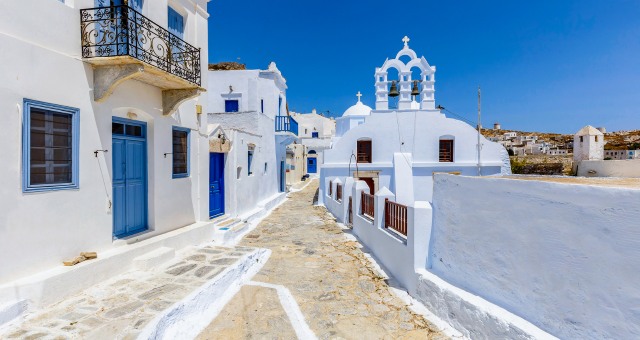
point(158, 291)
point(73, 316)
point(197, 258)
point(124, 310)
point(181, 270)
point(160, 305)
point(202, 271)
point(35, 336)
point(211, 251)
point(223, 261)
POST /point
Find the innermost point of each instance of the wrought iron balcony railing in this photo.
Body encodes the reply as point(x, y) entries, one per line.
point(286, 124)
point(122, 31)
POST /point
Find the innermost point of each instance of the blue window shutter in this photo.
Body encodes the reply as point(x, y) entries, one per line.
point(231, 106)
point(180, 152)
point(50, 163)
point(176, 23)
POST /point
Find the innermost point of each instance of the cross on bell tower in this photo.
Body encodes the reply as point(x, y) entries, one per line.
point(406, 40)
point(359, 95)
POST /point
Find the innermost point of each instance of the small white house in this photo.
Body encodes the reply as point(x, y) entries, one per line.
point(250, 108)
point(404, 141)
point(588, 144)
point(316, 133)
point(103, 143)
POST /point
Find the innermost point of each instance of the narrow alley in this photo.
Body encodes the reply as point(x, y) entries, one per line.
point(315, 267)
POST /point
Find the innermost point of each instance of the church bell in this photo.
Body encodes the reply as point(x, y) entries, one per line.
point(393, 92)
point(415, 91)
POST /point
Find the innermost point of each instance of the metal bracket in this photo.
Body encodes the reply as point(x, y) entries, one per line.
point(96, 152)
point(167, 153)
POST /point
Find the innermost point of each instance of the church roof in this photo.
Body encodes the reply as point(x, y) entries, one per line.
point(357, 110)
point(589, 131)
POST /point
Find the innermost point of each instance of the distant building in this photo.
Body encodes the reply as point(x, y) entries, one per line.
point(316, 133)
point(496, 126)
point(588, 144)
point(621, 154)
point(558, 152)
point(510, 135)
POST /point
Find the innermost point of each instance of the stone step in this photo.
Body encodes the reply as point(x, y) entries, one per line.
point(12, 310)
point(154, 258)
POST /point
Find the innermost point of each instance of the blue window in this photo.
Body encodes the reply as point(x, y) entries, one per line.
point(180, 152)
point(176, 23)
point(50, 136)
point(231, 105)
point(314, 134)
point(250, 158)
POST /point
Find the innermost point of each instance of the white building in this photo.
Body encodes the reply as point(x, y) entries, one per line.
point(316, 133)
point(588, 145)
point(401, 148)
point(103, 144)
point(621, 154)
point(249, 110)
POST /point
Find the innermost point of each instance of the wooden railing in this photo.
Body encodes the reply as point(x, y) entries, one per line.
point(367, 205)
point(395, 217)
point(339, 192)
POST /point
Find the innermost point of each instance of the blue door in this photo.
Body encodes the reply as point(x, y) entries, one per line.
point(129, 177)
point(216, 184)
point(282, 176)
point(312, 166)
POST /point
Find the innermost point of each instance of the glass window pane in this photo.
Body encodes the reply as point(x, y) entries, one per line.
point(134, 130)
point(117, 128)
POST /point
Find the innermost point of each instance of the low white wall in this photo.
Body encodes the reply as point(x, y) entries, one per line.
point(610, 168)
point(400, 256)
point(564, 257)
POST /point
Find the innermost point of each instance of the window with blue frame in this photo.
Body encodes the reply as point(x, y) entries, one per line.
point(180, 152)
point(231, 105)
point(176, 23)
point(250, 158)
point(49, 146)
point(314, 134)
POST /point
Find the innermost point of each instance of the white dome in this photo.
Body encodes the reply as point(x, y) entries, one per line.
point(357, 110)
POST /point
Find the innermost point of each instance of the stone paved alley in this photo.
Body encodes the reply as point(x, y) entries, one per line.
point(332, 281)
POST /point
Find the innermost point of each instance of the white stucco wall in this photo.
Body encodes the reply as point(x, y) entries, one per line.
point(43, 62)
point(610, 168)
point(564, 257)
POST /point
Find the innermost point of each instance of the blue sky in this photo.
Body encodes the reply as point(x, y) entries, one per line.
point(548, 65)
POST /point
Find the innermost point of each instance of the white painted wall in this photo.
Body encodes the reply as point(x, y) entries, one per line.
point(564, 257)
point(43, 62)
point(610, 168)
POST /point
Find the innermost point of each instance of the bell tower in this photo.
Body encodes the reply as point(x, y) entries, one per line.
point(405, 84)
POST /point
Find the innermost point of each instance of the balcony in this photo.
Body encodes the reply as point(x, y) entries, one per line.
point(123, 44)
point(286, 124)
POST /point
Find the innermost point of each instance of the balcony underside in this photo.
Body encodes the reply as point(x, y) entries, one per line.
point(109, 72)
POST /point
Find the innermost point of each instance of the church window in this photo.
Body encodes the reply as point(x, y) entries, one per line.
point(446, 150)
point(364, 151)
point(596, 138)
point(580, 139)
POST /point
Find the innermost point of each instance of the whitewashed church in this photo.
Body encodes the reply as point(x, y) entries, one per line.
point(403, 141)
